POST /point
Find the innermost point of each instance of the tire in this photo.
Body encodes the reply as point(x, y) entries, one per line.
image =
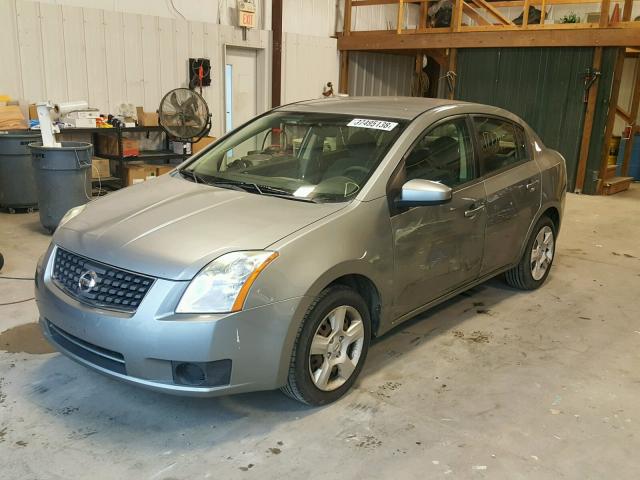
point(525, 276)
point(343, 353)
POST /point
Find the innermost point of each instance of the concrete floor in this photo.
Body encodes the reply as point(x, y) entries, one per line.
point(494, 384)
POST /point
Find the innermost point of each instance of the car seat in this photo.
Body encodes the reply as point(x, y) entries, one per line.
point(361, 148)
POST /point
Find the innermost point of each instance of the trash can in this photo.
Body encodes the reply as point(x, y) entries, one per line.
point(17, 181)
point(63, 179)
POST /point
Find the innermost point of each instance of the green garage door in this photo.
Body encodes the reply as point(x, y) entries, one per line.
point(545, 87)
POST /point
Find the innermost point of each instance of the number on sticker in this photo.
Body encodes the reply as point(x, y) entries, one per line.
point(375, 124)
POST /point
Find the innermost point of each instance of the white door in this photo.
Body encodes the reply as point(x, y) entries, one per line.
point(241, 87)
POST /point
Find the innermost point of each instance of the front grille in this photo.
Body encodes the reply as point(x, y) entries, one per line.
point(103, 286)
point(89, 352)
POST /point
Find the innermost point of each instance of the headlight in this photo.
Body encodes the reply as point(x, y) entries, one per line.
point(75, 211)
point(223, 285)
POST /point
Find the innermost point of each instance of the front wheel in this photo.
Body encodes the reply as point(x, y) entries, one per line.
point(330, 348)
point(537, 259)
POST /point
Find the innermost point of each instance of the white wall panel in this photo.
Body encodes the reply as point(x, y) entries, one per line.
point(308, 63)
point(114, 66)
point(53, 56)
point(182, 48)
point(30, 47)
point(309, 17)
point(168, 78)
point(11, 74)
point(75, 54)
point(95, 87)
point(110, 56)
point(150, 62)
point(133, 64)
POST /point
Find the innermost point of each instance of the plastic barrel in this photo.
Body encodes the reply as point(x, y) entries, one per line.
point(17, 179)
point(63, 178)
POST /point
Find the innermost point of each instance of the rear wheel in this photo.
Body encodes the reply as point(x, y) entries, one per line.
point(537, 259)
point(330, 348)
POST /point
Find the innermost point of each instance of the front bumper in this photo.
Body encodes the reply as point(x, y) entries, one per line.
point(143, 348)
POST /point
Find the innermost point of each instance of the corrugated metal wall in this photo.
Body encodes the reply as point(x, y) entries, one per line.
point(384, 74)
point(544, 86)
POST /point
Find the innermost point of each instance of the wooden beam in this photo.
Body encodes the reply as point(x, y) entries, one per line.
point(611, 115)
point(626, 10)
point(604, 13)
point(276, 53)
point(346, 24)
point(453, 61)
point(543, 11)
point(633, 114)
point(493, 11)
point(525, 13)
point(456, 16)
point(423, 20)
point(626, 116)
point(400, 15)
point(575, 37)
point(587, 128)
point(519, 3)
point(343, 82)
point(473, 14)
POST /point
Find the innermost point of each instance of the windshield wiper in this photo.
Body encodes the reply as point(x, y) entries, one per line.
point(193, 176)
point(266, 190)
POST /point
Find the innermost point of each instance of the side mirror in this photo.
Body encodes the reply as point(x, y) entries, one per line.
point(418, 192)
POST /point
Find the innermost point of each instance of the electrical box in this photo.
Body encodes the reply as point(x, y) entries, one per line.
point(199, 67)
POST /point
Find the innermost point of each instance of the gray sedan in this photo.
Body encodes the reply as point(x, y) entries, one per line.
point(272, 258)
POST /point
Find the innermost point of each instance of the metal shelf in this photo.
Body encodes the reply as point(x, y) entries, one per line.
point(145, 154)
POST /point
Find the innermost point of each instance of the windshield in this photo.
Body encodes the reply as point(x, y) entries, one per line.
point(302, 156)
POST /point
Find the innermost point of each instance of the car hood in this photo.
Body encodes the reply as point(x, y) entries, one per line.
point(171, 227)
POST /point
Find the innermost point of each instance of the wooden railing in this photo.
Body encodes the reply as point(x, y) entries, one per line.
point(486, 16)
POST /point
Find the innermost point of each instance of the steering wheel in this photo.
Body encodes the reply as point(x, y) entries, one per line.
point(355, 168)
point(272, 147)
point(239, 163)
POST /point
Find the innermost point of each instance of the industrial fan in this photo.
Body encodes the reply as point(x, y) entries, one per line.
point(184, 115)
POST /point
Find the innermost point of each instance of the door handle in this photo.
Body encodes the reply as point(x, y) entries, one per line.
point(531, 186)
point(473, 211)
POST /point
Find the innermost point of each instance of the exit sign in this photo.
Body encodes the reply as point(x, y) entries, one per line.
point(246, 14)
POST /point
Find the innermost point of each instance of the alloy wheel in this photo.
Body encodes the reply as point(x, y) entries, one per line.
point(542, 252)
point(336, 348)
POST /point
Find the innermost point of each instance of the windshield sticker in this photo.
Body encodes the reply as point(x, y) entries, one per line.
point(375, 124)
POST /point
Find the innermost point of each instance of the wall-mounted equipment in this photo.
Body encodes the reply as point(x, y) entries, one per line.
point(199, 73)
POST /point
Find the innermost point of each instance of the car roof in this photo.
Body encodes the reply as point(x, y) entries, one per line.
point(406, 108)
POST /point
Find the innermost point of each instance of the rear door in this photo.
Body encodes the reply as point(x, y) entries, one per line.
point(512, 183)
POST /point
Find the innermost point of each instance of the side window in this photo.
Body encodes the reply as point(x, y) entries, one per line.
point(499, 144)
point(444, 154)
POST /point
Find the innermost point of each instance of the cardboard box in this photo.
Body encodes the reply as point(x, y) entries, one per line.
point(33, 112)
point(82, 122)
point(108, 145)
point(11, 118)
point(146, 119)
point(100, 168)
point(162, 169)
point(201, 144)
point(139, 173)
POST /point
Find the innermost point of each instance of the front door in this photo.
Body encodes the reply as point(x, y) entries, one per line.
point(438, 248)
point(512, 182)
